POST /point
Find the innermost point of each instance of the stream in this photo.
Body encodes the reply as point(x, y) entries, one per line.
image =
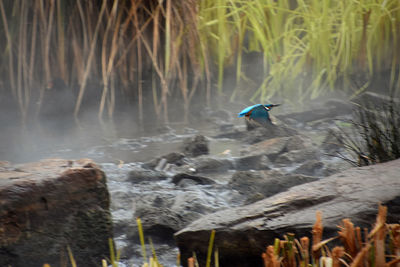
point(119, 151)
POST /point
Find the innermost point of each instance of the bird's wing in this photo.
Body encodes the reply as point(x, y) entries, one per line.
point(245, 111)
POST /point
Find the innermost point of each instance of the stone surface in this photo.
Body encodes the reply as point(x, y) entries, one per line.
point(311, 167)
point(49, 205)
point(142, 175)
point(195, 146)
point(210, 164)
point(262, 184)
point(272, 131)
point(175, 158)
point(297, 156)
point(163, 214)
point(180, 178)
point(330, 109)
point(242, 233)
point(253, 162)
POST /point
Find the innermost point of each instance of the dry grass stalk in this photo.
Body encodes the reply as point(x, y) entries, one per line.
point(395, 231)
point(305, 247)
point(269, 258)
point(317, 236)
point(191, 262)
point(337, 254)
point(348, 237)
point(358, 261)
point(370, 253)
point(378, 234)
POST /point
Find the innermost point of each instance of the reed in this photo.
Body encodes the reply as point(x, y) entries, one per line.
point(307, 48)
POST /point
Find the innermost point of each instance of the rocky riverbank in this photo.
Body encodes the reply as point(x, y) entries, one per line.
point(178, 176)
point(50, 205)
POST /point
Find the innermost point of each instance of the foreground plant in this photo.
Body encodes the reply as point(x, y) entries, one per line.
point(378, 247)
point(374, 136)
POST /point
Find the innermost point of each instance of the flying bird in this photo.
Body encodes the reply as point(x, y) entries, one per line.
point(257, 115)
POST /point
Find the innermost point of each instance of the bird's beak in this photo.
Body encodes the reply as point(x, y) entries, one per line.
point(275, 105)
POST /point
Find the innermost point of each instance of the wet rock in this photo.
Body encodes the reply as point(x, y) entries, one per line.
point(163, 214)
point(259, 134)
point(353, 194)
point(332, 143)
point(297, 156)
point(311, 167)
point(209, 164)
point(139, 175)
point(196, 146)
point(180, 178)
point(271, 148)
point(296, 142)
point(334, 166)
point(265, 183)
point(226, 127)
point(272, 131)
point(253, 162)
point(47, 205)
point(329, 109)
point(236, 133)
point(175, 158)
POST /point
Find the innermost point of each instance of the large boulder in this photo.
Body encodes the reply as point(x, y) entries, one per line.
point(243, 233)
point(257, 185)
point(49, 205)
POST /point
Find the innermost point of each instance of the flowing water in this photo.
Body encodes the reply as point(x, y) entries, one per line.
point(118, 153)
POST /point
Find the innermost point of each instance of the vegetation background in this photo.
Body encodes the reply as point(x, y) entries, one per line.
point(156, 54)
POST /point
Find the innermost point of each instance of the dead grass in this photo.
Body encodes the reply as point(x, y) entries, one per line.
point(380, 247)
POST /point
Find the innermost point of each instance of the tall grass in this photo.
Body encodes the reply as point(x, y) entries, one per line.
point(183, 47)
point(374, 136)
point(308, 46)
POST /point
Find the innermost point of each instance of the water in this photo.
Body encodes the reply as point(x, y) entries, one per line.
point(119, 153)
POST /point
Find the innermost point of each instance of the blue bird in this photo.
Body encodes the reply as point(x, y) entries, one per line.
point(258, 115)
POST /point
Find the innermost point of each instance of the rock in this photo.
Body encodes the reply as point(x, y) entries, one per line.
point(49, 205)
point(296, 142)
point(209, 164)
point(163, 214)
point(196, 146)
point(226, 127)
point(265, 183)
point(333, 142)
point(297, 156)
point(272, 131)
point(259, 134)
point(271, 148)
point(311, 167)
point(142, 175)
point(175, 158)
point(329, 109)
point(179, 178)
point(253, 162)
point(236, 133)
point(354, 194)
